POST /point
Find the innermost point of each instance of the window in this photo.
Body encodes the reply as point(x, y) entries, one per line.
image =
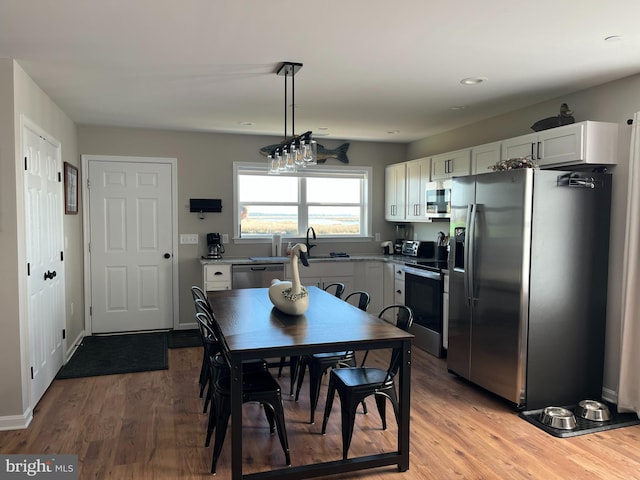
point(334, 201)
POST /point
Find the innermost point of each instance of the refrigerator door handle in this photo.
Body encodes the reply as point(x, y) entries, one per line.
point(471, 267)
point(467, 252)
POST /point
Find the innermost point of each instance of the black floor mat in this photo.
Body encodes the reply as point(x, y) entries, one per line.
point(184, 338)
point(111, 354)
point(583, 426)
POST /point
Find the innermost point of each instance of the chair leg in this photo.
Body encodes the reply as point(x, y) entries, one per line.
point(223, 412)
point(315, 380)
point(381, 402)
point(348, 407)
point(294, 363)
point(277, 410)
point(282, 362)
point(331, 393)
point(269, 413)
point(302, 366)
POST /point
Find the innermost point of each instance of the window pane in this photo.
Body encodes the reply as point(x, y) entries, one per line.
point(335, 220)
point(265, 188)
point(333, 190)
point(268, 219)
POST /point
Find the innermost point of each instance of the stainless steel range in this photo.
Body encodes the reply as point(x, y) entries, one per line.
point(424, 286)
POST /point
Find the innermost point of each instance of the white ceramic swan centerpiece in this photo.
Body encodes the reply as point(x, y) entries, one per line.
point(291, 297)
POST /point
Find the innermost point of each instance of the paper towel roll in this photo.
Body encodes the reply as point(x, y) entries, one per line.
point(276, 245)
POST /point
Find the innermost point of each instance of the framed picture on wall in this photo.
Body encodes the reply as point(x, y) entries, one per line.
point(70, 189)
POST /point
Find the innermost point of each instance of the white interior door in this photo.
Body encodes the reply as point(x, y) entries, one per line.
point(44, 248)
point(131, 245)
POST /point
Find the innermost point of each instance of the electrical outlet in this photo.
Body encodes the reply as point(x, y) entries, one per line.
point(377, 237)
point(188, 239)
point(225, 238)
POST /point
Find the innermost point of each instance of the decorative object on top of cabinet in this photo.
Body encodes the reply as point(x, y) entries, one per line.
point(565, 118)
point(394, 191)
point(514, 163)
point(583, 143)
point(451, 164)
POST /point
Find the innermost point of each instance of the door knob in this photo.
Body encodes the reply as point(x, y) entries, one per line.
point(167, 255)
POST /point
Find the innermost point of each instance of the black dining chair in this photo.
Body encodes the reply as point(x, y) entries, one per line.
point(257, 386)
point(336, 288)
point(319, 363)
point(198, 294)
point(355, 384)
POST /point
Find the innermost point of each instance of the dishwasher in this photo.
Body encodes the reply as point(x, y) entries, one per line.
point(255, 275)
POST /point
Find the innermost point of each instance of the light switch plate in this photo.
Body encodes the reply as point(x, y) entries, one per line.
point(188, 239)
point(225, 238)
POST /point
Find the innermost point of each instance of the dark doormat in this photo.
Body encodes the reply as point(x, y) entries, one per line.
point(110, 354)
point(184, 338)
point(583, 426)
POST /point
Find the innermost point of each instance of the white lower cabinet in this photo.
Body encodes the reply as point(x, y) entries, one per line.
point(216, 277)
point(321, 274)
point(369, 277)
point(398, 284)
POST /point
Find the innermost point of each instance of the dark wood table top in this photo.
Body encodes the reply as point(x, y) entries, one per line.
point(251, 323)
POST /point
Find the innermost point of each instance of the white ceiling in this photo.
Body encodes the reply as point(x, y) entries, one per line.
point(370, 67)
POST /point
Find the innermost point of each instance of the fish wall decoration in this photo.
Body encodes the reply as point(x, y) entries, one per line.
point(339, 153)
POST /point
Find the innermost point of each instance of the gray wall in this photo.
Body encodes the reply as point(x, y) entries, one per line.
point(205, 170)
point(612, 102)
point(19, 95)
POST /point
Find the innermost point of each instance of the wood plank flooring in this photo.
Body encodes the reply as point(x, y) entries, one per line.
point(151, 426)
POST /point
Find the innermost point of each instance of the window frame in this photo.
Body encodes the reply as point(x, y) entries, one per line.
point(364, 173)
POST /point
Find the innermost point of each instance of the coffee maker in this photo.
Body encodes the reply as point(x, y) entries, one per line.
point(214, 246)
point(403, 232)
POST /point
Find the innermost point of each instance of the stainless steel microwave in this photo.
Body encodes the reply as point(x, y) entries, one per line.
point(438, 199)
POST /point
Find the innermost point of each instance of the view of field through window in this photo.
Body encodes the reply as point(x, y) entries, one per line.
point(288, 205)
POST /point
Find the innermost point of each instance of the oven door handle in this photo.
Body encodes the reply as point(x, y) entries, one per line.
point(418, 272)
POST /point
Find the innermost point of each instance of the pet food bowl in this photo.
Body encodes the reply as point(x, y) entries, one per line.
point(558, 417)
point(593, 410)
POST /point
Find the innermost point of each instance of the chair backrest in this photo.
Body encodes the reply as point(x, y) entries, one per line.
point(338, 289)
point(362, 299)
point(403, 318)
point(203, 306)
point(197, 292)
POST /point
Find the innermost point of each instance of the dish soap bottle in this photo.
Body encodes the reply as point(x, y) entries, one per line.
point(289, 247)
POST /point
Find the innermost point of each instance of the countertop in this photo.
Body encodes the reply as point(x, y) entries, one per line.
point(397, 259)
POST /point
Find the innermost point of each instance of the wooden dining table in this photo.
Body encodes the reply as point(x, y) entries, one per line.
point(254, 328)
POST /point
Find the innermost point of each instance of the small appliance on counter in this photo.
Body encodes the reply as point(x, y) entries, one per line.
point(215, 248)
point(403, 232)
point(387, 247)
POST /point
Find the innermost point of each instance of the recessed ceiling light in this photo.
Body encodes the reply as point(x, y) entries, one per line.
point(458, 107)
point(393, 132)
point(246, 124)
point(473, 80)
point(323, 128)
point(613, 38)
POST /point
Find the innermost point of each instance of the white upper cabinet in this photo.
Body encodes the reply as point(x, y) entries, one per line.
point(483, 157)
point(394, 190)
point(418, 172)
point(452, 164)
point(576, 144)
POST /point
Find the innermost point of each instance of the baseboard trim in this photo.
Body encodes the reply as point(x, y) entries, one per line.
point(74, 346)
point(16, 422)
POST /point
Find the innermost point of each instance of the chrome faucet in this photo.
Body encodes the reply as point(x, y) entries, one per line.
point(309, 246)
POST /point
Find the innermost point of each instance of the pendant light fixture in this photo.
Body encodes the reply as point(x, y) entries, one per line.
point(295, 151)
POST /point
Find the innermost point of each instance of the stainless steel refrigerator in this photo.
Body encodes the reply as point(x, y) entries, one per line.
point(528, 284)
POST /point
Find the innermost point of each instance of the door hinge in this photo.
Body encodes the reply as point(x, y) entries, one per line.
point(62, 256)
point(88, 184)
point(31, 373)
point(90, 311)
point(64, 333)
point(25, 163)
point(28, 269)
point(59, 176)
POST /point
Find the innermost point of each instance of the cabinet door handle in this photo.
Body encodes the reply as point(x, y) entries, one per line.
point(538, 154)
point(533, 155)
